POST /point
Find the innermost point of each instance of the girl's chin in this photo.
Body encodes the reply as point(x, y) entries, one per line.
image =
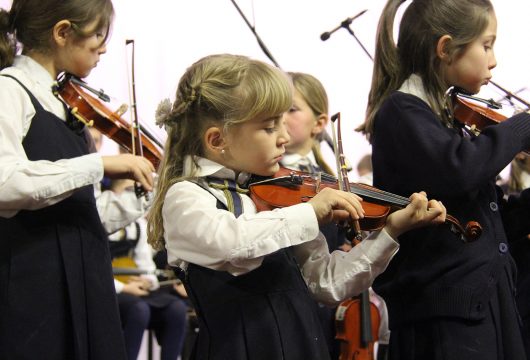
point(268, 172)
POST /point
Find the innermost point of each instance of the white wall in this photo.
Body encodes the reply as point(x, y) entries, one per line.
point(171, 34)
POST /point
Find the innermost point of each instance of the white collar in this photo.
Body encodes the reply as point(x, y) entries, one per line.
point(39, 75)
point(414, 86)
point(292, 160)
point(211, 168)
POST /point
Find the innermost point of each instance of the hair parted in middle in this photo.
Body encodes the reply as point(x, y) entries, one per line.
point(221, 90)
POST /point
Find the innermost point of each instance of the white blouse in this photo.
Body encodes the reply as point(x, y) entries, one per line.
point(197, 232)
point(32, 185)
point(26, 184)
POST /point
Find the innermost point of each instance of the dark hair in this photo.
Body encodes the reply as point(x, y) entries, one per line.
point(423, 24)
point(30, 22)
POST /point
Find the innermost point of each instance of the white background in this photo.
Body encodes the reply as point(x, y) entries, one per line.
point(169, 35)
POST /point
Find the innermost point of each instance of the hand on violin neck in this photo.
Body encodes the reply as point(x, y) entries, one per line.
point(127, 166)
point(335, 205)
point(420, 212)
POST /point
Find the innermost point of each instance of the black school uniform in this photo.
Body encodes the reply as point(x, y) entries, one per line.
point(448, 299)
point(57, 298)
point(266, 313)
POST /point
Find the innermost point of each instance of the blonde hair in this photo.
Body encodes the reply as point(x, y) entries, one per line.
point(314, 94)
point(222, 90)
point(30, 23)
point(423, 24)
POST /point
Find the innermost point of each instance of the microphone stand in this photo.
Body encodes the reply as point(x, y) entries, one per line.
point(253, 29)
point(345, 24)
point(325, 135)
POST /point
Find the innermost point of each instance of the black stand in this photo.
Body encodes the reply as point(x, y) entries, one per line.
point(253, 29)
point(346, 24)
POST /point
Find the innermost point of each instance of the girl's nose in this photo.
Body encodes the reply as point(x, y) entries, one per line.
point(283, 134)
point(492, 62)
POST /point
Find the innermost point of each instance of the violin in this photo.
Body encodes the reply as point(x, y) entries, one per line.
point(289, 187)
point(357, 322)
point(474, 116)
point(92, 112)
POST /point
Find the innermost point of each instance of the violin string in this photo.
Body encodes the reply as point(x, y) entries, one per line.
point(382, 196)
point(386, 194)
point(373, 194)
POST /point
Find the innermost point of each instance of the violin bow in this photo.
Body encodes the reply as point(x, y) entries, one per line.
point(136, 137)
point(342, 168)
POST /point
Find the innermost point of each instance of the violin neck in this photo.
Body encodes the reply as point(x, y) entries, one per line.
point(376, 195)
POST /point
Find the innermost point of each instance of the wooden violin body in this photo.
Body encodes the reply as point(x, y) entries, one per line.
point(290, 187)
point(474, 116)
point(357, 323)
point(91, 111)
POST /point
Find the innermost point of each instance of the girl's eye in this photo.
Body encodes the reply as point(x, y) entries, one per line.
point(293, 109)
point(270, 130)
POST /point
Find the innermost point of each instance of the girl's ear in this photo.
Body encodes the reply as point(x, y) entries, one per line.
point(214, 141)
point(442, 48)
point(61, 31)
point(321, 122)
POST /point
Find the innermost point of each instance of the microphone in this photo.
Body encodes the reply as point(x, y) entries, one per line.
point(324, 36)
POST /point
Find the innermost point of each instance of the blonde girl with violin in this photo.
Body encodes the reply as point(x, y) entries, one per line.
point(57, 299)
point(251, 275)
point(446, 299)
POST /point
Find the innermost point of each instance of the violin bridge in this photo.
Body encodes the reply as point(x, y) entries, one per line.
point(317, 179)
point(121, 110)
point(473, 128)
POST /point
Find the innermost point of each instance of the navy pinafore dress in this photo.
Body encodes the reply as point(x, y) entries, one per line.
point(57, 298)
point(267, 313)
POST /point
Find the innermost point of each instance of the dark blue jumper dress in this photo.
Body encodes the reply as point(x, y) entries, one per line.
point(57, 298)
point(267, 313)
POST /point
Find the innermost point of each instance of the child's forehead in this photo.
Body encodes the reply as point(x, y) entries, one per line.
point(268, 118)
point(491, 28)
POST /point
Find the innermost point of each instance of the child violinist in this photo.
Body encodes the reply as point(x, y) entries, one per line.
point(57, 299)
point(250, 275)
point(446, 299)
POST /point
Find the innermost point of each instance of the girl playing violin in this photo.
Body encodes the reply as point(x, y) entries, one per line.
point(251, 275)
point(446, 299)
point(57, 297)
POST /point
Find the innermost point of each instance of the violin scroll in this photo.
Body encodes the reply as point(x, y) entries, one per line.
point(469, 233)
point(473, 230)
